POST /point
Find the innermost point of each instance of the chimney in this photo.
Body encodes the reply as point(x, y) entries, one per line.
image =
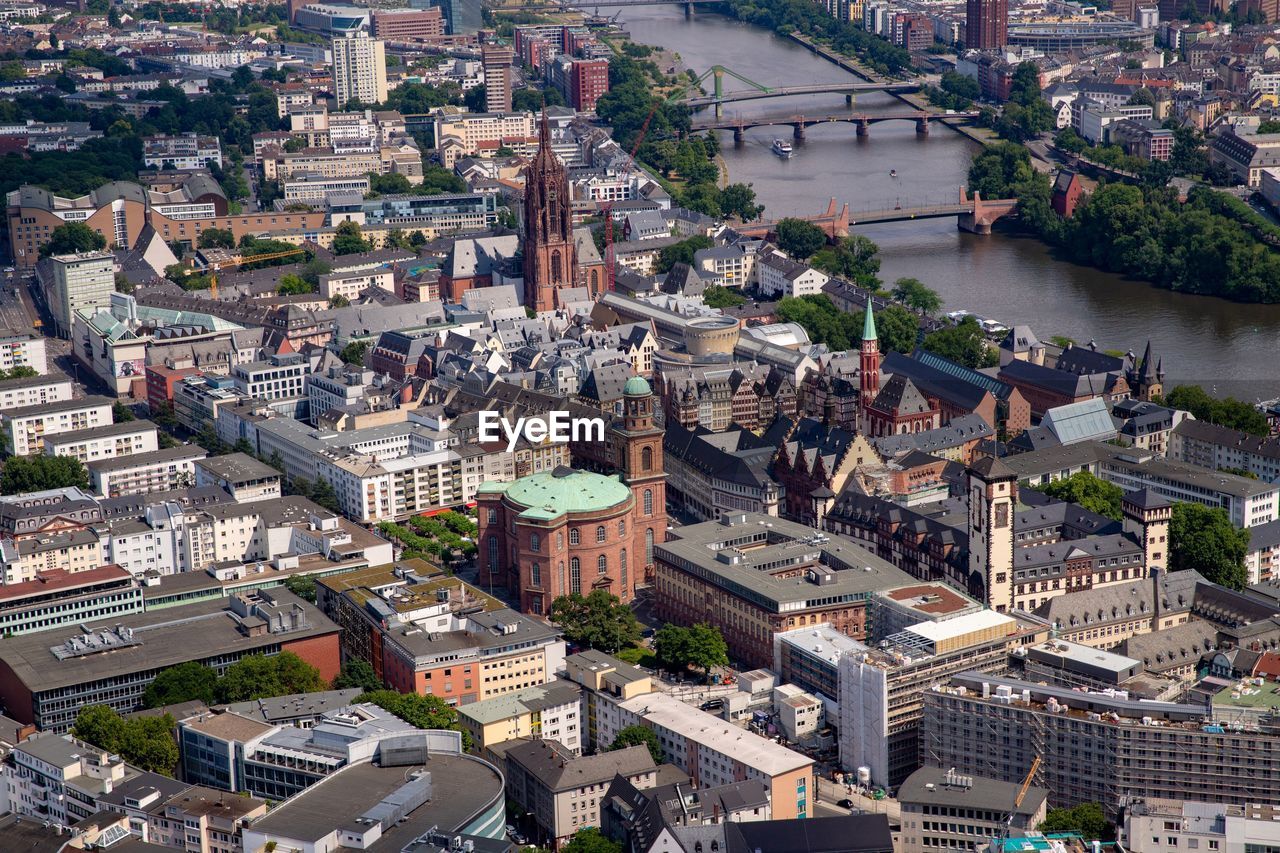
point(406, 393)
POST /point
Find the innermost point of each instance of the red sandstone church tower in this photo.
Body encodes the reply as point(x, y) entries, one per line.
point(869, 366)
point(550, 259)
point(638, 444)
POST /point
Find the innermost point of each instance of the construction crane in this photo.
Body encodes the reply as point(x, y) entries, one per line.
point(610, 260)
point(1022, 795)
point(219, 266)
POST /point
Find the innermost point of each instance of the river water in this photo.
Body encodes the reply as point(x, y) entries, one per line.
point(1221, 345)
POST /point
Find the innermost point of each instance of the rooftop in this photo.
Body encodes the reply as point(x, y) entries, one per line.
point(551, 494)
point(935, 786)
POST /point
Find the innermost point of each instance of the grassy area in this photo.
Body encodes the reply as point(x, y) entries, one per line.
point(1258, 697)
point(638, 656)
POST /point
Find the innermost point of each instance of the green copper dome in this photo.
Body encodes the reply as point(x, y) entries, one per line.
point(637, 387)
point(553, 493)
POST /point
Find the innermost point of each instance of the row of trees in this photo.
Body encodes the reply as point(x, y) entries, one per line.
point(1200, 537)
point(145, 742)
point(786, 16)
point(251, 677)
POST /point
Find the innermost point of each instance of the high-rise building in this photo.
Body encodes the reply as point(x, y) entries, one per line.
point(460, 16)
point(497, 77)
point(71, 282)
point(550, 254)
point(986, 24)
point(359, 69)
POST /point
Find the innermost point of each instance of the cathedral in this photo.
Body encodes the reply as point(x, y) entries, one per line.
point(550, 245)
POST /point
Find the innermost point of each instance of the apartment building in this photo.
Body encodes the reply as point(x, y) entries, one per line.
point(359, 69)
point(1096, 747)
point(59, 778)
point(400, 158)
point(34, 390)
point(349, 285)
point(1216, 447)
point(280, 377)
point(565, 792)
point(185, 151)
point(112, 662)
point(439, 635)
point(63, 548)
point(84, 280)
point(105, 442)
point(498, 76)
point(240, 475)
point(159, 471)
point(23, 350)
point(1156, 825)
point(25, 427)
point(472, 132)
point(546, 711)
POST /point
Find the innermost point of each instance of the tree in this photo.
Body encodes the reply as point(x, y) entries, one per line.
point(740, 200)
point(700, 646)
point(347, 240)
point(1228, 412)
point(913, 293)
point(1269, 126)
point(1088, 819)
point(598, 620)
point(292, 284)
point(591, 840)
point(145, 742)
point(1203, 538)
point(638, 735)
point(1088, 491)
point(73, 237)
point(716, 296)
point(37, 473)
point(681, 252)
point(120, 413)
point(853, 258)
point(185, 682)
point(357, 673)
point(799, 238)
point(339, 301)
point(263, 676)
point(425, 712)
point(216, 238)
point(302, 586)
point(963, 343)
point(353, 353)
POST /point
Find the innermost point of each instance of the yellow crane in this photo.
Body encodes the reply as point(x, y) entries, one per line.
point(1022, 795)
point(218, 267)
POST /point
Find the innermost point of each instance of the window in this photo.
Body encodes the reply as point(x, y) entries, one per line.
point(573, 536)
point(493, 552)
point(602, 564)
point(575, 576)
point(646, 459)
point(622, 567)
point(493, 516)
point(535, 542)
point(535, 574)
point(622, 527)
point(600, 533)
point(648, 546)
point(648, 502)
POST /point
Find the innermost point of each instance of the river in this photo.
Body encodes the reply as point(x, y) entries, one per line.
point(1218, 344)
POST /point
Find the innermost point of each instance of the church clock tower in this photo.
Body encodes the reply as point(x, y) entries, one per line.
point(550, 256)
point(638, 457)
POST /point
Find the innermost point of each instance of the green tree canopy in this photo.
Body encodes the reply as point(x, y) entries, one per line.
point(1203, 538)
point(1228, 412)
point(263, 676)
point(186, 682)
point(681, 252)
point(591, 840)
point(216, 238)
point(700, 646)
point(353, 353)
point(357, 673)
point(145, 742)
point(73, 237)
point(425, 712)
point(597, 620)
point(853, 258)
point(799, 238)
point(348, 241)
point(716, 296)
point(964, 343)
point(638, 735)
point(1088, 819)
point(37, 473)
point(120, 413)
point(1088, 491)
point(914, 294)
point(292, 284)
point(303, 586)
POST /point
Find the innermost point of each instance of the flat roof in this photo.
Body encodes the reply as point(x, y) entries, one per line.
point(536, 698)
point(166, 637)
point(664, 710)
point(461, 787)
point(930, 598)
point(105, 431)
point(142, 460)
point(56, 407)
point(974, 792)
point(238, 467)
point(951, 628)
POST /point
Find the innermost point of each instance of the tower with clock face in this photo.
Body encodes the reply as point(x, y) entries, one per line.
point(550, 256)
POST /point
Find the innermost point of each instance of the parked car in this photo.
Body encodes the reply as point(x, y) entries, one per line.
point(712, 705)
point(845, 804)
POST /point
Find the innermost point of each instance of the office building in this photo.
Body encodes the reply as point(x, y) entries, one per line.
point(546, 711)
point(942, 807)
point(497, 60)
point(1097, 747)
point(754, 576)
point(1154, 825)
point(359, 69)
point(159, 471)
point(986, 24)
point(406, 24)
point(46, 679)
point(185, 151)
point(70, 283)
point(59, 597)
point(461, 16)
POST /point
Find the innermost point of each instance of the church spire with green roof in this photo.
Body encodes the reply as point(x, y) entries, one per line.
point(869, 323)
